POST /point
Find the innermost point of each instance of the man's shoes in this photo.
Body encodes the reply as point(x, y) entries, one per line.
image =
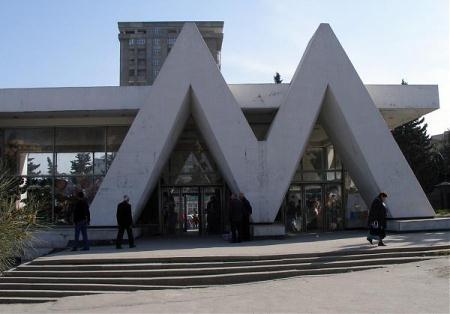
point(132, 246)
point(370, 240)
point(85, 249)
point(74, 249)
point(381, 243)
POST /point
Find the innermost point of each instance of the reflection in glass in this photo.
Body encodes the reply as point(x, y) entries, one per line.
point(66, 189)
point(100, 161)
point(191, 163)
point(294, 212)
point(74, 163)
point(84, 139)
point(39, 190)
point(35, 164)
point(333, 208)
point(314, 208)
point(19, 142)
point(115, 137)
point(66, 159)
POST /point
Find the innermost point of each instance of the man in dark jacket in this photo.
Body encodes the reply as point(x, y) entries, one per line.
point(236, 215)
point(245, 217)
point(81, 219)
point(377, 219)
point(125, 222)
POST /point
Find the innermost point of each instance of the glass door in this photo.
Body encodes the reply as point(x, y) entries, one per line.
point(334, 213)
point(294, 210)
point(211, 210)
point(313, 213)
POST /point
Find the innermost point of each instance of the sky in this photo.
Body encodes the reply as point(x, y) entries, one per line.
point(74, 43)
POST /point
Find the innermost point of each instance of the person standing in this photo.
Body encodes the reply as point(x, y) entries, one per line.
point(236, 215)
point(81, 219)
point(124, 222)
point(247, 211)
point(377, 220)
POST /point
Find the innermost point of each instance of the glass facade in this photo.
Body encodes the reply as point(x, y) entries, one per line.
point(191, 163)
point(314, 201)
point(56, 163)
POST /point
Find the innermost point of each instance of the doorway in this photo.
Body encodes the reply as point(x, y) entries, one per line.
point(187, 210)
point(314, 208)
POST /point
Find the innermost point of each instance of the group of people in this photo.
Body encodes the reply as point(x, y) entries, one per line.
point(240, 212)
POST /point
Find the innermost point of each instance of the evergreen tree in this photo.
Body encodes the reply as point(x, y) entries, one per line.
point(277, 78)
point(31, 167)
point(82, 164)
point(415, 144)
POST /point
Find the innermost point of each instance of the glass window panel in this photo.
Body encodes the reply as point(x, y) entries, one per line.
point(85, 139)
point(66, 189)
point(334, 214)
point(99, 163)
point(74, 163)
point(90, 194)
point(19, 142)
point(330, 175)
point(115, 137)
point(313, 159)
point(39, 190)
point(36, 164)
point(312, 176)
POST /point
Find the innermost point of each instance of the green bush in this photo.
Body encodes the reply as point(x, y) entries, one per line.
point(18, 219)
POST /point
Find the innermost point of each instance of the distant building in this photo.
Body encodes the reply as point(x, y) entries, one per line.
point(144, 47)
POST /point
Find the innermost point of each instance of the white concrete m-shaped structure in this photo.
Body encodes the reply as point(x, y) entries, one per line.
point(325, 87)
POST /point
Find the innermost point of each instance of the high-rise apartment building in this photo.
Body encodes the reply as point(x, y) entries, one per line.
point(145, 45)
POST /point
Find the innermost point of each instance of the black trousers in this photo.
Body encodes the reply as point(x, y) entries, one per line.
point(120, 235)
point(236, 227)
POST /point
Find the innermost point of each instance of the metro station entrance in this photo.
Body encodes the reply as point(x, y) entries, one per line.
point(314, 208)
point(191, 210)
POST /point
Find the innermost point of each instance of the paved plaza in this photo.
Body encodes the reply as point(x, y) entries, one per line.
point(194, 245)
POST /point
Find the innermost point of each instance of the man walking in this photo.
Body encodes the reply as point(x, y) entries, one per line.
point(377, 220)
point(247, 211)
point(125, 222)
point(81, 219)
point(236, 213)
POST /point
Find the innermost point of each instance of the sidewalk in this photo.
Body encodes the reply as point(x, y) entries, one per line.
point(216, 246)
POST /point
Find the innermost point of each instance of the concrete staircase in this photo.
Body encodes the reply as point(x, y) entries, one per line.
point(44, 280)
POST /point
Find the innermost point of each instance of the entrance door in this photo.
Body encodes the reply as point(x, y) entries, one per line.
point(313, 212)
point(191, 210)
point(314, 208)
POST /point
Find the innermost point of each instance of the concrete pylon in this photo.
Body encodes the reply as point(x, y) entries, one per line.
point(325, 86)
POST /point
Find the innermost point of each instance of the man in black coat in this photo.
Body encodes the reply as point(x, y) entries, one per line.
point(377, 219)
point(245, 217)
point(81, 219)
point(236, 215)
point(125, 222)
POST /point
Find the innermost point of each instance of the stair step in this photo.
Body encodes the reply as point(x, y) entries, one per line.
point(191, 280)
point(152, 273)
point(13, 300)
point(46, 293)
point(169, 265)
point(84, 287)
point(180, 259)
